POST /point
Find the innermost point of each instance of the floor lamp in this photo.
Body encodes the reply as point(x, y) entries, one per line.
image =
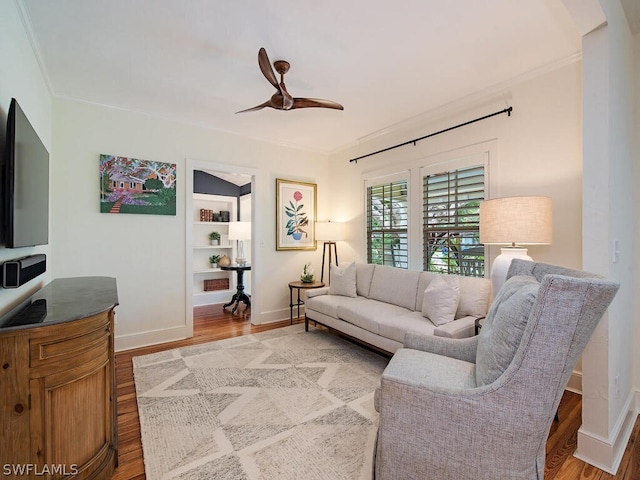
point(514, 221)
point(329, 233)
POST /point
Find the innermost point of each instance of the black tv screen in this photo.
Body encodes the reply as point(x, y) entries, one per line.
point(25, 183)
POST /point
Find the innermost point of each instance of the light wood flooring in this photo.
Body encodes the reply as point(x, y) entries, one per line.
point(212, 323)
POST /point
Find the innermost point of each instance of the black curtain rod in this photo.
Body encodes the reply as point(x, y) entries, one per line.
point(414, 141)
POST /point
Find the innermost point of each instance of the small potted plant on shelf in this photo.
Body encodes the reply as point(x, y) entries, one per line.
point(213, 259)
point(215, 238)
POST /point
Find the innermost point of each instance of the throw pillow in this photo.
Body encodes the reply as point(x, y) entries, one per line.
point(440, 299)
point(503, 328)
point(475, 294)
point(343, 280)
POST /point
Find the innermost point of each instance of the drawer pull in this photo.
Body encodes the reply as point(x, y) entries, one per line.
point(19, 408)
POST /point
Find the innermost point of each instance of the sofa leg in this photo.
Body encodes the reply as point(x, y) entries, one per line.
point(306, 323)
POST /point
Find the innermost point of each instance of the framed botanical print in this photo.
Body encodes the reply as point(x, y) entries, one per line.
point(295, 215)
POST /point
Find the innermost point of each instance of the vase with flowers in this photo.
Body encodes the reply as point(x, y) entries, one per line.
point(307, 274)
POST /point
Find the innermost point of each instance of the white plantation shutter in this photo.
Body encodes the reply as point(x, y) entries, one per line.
point(387, 224)
point(451, 223)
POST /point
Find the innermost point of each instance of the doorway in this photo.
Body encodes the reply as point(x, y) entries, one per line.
point(216, 195)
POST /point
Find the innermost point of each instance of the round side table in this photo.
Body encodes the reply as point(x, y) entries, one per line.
point(299, 286)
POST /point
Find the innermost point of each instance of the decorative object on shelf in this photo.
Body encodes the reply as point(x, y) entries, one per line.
point(330, 232)
point(295, 215)
point(215, 238)
point(515, 221)
point(211, 216)
point(240, 231)
point(216, 284)
point(206, 215)
point(307, 274)
point(224, 261)
point(130, 185)
point(213, 260)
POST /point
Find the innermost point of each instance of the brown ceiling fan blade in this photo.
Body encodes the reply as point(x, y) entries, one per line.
point(315, 102)
point(282, 99)
point(257, 107)
point(265, 68)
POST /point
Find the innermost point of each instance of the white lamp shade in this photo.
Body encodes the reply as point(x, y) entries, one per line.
point(329, 231)
point(240, 231)
point(516, 220)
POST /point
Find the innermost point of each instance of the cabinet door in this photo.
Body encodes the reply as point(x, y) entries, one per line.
point(72, 413)
point(72, 390)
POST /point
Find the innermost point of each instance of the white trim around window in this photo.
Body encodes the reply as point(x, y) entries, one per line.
point(484, 153)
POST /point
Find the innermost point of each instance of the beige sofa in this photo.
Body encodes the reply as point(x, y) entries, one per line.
point(378, 304)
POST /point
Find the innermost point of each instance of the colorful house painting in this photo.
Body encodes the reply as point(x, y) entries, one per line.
point(131, 185)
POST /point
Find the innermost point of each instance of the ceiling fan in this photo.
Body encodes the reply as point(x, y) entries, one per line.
point(282, 100)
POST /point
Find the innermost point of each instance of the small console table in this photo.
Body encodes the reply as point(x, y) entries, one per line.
point(239, 296)
point(299, 286)
point(58, 394)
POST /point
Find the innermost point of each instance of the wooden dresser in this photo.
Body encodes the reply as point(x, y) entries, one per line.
point(57, 383)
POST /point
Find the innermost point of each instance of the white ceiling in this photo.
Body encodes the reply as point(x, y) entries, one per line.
point(196, 60)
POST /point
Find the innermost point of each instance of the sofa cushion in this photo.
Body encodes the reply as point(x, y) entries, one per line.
point(369, 314)
point(328, 304)
point(440, 299)
point(475, 294)
point(343, 280)
point(364, 274)
point(405, 322)
point(397, 286)
point(502, 330)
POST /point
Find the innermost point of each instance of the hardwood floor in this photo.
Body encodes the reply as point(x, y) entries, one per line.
point(212, 323)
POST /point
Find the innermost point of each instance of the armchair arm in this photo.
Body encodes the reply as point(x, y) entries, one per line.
point(460, 348)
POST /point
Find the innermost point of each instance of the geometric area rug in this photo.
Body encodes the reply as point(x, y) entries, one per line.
point(281, 404)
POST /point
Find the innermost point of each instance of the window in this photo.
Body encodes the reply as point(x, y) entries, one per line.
point(387, 224)
point(451, 223)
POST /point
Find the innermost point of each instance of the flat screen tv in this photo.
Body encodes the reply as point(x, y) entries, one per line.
point(25, 183)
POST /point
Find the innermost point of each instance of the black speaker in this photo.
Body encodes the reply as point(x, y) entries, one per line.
point(19, 271)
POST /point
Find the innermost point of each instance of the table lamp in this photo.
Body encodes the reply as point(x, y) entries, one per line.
point(240, 231)
point(329, 233)
point(514, 221)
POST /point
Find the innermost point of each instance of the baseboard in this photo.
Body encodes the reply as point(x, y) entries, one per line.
point(154, 337)
point(274, 316)
point(575, 383)
point(606, 453)
point(151, 337)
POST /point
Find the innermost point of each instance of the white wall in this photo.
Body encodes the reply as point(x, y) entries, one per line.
point(537, 152)
point(146, 253)
point(21, 79)
point(609, 409)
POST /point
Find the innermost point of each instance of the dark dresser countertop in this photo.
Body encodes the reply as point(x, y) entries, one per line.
point(63, 300)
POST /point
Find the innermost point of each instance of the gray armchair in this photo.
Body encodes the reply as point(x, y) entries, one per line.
point(481, 408)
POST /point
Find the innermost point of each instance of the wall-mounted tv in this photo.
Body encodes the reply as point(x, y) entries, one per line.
point(25, 183)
